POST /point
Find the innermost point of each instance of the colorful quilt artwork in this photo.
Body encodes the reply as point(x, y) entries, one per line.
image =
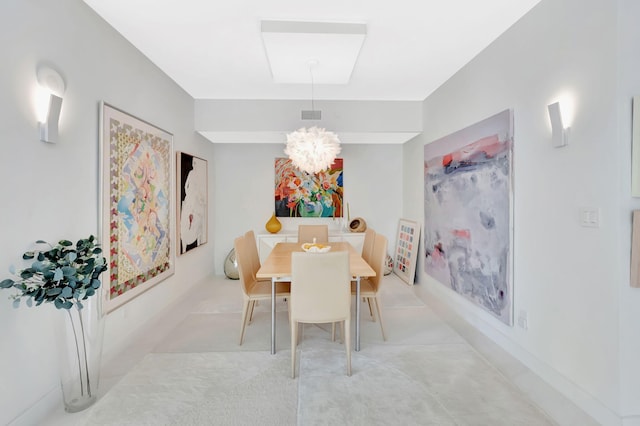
point(300, 194)
point(468, 213)
point(139, 209)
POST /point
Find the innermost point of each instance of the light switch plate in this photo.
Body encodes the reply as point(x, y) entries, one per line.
point(590, 217)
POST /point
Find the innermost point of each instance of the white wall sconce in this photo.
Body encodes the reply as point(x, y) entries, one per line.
point(559, 133)
point(53, 85)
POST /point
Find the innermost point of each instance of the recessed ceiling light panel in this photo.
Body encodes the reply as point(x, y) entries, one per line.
point(291, 46)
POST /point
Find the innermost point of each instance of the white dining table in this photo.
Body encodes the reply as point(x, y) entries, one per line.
point(277, 267)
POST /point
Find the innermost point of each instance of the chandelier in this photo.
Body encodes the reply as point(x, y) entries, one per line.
point(312, 150)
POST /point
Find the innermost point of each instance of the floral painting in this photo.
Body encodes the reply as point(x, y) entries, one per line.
point(468, 213)
point(300, 194)
point(138, 204)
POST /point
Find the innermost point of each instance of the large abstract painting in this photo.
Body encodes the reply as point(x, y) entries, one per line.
point(138, 207)
point(192, 201)
point(300, 194)
point(468, 213)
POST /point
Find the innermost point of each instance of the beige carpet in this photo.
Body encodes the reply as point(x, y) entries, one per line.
point(443, 384)
point(196, 373)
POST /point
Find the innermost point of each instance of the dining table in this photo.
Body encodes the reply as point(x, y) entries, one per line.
point(277, 267)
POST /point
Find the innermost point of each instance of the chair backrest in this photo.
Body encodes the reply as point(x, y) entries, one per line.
point(306, 233)
point(378, 258)
point(244, 264)
point(367, 247)
point(252, 249)
point(320, 287)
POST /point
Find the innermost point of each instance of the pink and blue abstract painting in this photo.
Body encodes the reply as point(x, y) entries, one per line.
point(468, 213)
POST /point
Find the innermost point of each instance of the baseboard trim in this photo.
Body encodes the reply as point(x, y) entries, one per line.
point(447, 306)
point(34, 415)
point(631, 421)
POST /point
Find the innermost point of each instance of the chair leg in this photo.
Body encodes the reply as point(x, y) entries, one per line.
point(245, 310)
point(294, 343)
point(378, 304)
point(333, 331)
point(371, 311)
point(347, 342)
point(252, 306)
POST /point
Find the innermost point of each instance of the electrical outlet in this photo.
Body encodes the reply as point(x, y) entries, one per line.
point(523, 320)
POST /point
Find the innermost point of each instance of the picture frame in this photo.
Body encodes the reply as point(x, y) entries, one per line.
point(468, 213)
point(635, 249)
point(137, 206)
point(635, 148)
point(405, 255)
point(192, 208)
point(301, 194)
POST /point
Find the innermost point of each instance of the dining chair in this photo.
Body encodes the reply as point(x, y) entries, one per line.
point(367, 252)
point(252, 247)
point(252, 289)
point(370, 286)
point(320, 293)
point(306, 233)
point(367, 246)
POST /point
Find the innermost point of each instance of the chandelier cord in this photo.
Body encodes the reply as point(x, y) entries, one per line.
point(311, 74)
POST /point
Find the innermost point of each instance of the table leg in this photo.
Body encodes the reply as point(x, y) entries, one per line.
point(273, 316)
point(357, 313)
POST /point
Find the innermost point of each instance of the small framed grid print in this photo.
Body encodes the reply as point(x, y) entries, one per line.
point(405, 255)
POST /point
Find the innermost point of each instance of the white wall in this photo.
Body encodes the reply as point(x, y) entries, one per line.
point(628, 62)
point(573, 281)
point(244, 181)
point(50, 191)
point(584, 332)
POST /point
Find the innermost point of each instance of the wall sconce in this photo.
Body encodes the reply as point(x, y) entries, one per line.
point(559, 133)
point(52, 83)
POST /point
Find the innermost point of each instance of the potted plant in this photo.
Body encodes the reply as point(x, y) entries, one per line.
point(68, 276)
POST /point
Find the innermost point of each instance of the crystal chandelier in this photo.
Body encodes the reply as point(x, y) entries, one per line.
point(312, 150)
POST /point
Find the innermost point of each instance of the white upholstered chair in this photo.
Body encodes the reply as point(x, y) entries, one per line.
point(320, 293)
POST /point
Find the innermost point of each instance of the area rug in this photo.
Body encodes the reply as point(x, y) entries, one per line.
point(442, 384)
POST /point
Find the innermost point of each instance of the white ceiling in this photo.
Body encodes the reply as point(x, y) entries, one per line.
point(213, 49)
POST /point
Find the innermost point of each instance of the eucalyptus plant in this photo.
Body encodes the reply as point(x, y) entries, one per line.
point(63, 274)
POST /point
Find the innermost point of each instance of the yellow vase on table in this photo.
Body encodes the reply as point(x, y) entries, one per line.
point(273, 225)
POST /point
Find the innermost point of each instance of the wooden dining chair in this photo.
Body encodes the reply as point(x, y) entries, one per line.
point(370, 286)
point(367, 253)
point(252, 247)
point(320, 293)
point(252, 289)
point(306, 233)
point(367, 246)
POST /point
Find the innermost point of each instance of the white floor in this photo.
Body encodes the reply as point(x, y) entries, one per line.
point(188, 369)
